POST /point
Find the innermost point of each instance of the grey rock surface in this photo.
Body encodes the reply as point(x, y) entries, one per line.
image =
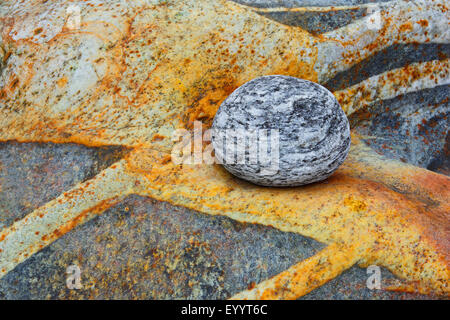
point(281, 131)
point(147, 249)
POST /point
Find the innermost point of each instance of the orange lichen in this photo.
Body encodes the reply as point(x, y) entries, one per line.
point(99, 208)
point(423, 22)
point(406, 27)
point(62, 82)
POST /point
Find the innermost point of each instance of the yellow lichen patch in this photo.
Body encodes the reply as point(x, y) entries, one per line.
point(354, 204)
point(305, 276)
point(62, 82)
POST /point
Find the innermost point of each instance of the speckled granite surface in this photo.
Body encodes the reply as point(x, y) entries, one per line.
point(146, 249)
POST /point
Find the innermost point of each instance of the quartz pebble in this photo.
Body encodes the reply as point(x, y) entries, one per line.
point(281, 131)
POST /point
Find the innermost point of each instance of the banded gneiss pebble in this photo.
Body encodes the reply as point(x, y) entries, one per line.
point(281, 131)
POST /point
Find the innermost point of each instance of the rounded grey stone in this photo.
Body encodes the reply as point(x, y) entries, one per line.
point(299, 123)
